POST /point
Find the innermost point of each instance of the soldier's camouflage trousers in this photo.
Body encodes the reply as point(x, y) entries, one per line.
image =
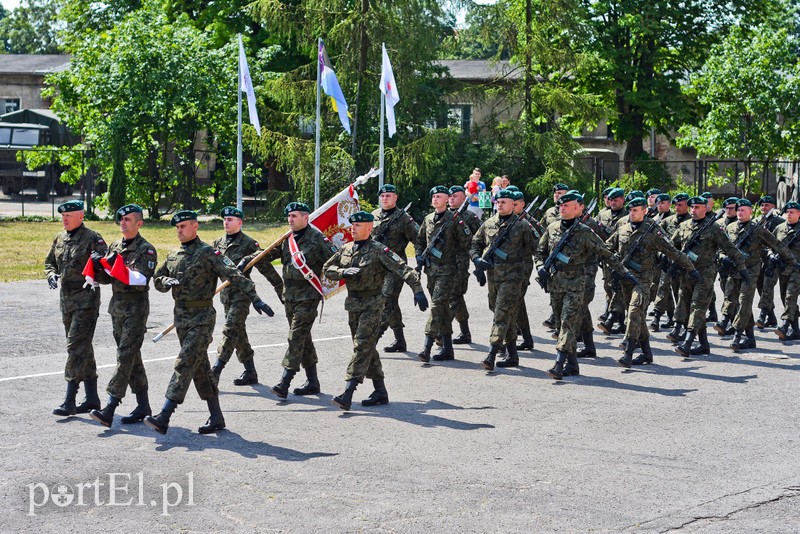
point(79, 311)
point(301, 351)
point(192, 363)
point(458, 306)
point(790, 287)
point(129, 322)
point(694, 298)
point(392, 317)
point(504, 299)
point(363, 317)
point(766, 290)
point(440, 319)
point(234, 332)
point(736, 291)
point(567, 309)
point(637, 299)
point(666, 294)
point(589, 287)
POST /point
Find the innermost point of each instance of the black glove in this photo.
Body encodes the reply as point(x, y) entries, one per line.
point(481, 277)
point(262, 307)
point(96, 257)
point(242, 264)
point(745, 277)
point(350, 271)
point(630, 278)
point(52, 281)
point(482, 265)
point(171, 282)
point(727, 262)
point(421, 300)
point(696, 276)
point(543, 273)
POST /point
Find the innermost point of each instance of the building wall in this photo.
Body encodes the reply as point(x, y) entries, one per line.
point(26, 87)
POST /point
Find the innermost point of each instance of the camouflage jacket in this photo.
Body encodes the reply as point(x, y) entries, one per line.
point(704, 251)
point(550, 216)
point(785, 233)
point(240, 247)
point(456, 237)
point(474, 223)
point(643, 259)
point(316, 249)
point(139, 256)
point(723, 222)
point(69, 253)
point(395, 230)
point(755, 244)
point(670, 224)
point(513, 257)
point(607, 220)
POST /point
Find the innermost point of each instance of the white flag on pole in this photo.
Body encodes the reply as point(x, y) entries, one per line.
point(389, 90)
point(247, 86)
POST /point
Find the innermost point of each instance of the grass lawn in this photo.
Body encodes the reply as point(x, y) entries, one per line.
point(26, 244)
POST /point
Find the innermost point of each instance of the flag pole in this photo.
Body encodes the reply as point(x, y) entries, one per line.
point(317, 148)
point(380, 164)
point(239, 128)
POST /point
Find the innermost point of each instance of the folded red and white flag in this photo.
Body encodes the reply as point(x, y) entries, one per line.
point(127, 276)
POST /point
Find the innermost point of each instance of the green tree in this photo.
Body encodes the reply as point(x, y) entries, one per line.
point(31, 28)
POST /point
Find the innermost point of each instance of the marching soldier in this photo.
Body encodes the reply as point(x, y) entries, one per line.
point(451, 234)
point(302, 255)
point(191, 274)
point(458, 306)
point(506, 272)
point(550, 216)
point(750, 238)
point(132, 262)
point(239, 248)
point(364, 264)
point(712, 316)
point(662, 204)
point(652, 199)
point(561, 272)
point(729, 306)
point(396, 229)
point(768, 280)
point(667, 292)
point(700, 239)
point(608, 219)
point(523, 321)
point(789, 275)
point(80, 304)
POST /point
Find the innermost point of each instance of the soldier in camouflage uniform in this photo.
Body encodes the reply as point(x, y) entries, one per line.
point(590, 268)
point(667, 292)
point(300, 297)
point(396, 229)
point(191, 274)
point(757, 239)
point(550, 216)
point(729, 306)
point(133, 261)
point(239, 248)
point(80, 304)
point(523, 321)
point(712, 316)
point(694, 297)
point(364, 264)
point(662, 206)
point(458, 306)
point(607, 219)
point(637, 241)
point(505, 273)
point(789, 275)
point(565, 277)
point(441, 269)
point(768, 278)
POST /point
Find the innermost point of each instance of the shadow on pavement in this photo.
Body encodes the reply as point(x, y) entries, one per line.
point(416, 413)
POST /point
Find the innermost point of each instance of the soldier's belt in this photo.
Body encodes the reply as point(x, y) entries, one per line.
point(295, 283)
point(194, 303)
point(131, 295)
point(568, 268)
point(508, 260)
point(72, 286)
point(363, 294)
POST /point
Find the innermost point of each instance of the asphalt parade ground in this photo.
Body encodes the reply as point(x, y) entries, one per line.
point(709, 445)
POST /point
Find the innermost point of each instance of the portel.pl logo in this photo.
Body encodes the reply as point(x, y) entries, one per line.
point(118, 489)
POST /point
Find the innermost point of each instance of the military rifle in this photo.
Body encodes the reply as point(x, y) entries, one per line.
point(495, 250)
point(727, 264)
point(424, 259)
point(627, 261)
point(384, 226)
point(673, 268)
point(548, 267)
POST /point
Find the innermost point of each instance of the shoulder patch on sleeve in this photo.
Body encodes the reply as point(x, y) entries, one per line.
point(227, 261)
point(101, 241)
point(256, 244)
point(151, 251)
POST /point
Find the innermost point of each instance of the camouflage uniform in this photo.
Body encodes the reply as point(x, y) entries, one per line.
point(592, 265)
point(458, 306)
point(364, 300)
point(80, 306)
point(550, 216)
point(789, 277)
point(667, 292)
point(197, 267)
point(607, 220)
point(768, 281)
point(523, 321)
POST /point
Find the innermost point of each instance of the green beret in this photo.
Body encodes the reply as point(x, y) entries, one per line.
point(634, 194)
point(183, 215)
point(607, 190)
point(230, 211)
point(791, 205)
point(512, 188)
point(519, 195)
point(361, 217)
point(560, 187)
point(743, 202)
point(295, 206)
point(457, 189)
point(124, 210)
point(616, 193)
point(706, 195)
point(653, 191)
point(71, 205)
point(696, 200)
point(636, 201)
point(505, 193)
point(440, 189)
point(662, 197)
point(569, 196)
point(387, 188)
point(766, 199)
point(729, 201)
point(680, 197)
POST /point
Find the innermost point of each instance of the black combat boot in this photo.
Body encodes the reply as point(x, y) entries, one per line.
point(571, 368)
point(619, 325)
point(703, 347)
point(795, 334)
point(281, 389)
point(141, 411)
point(488, 362)
point(527, 340)
point(512, 359)
point(248, 376)
point(647, 353)
point(345, 400)
point(92, 401)
point(772, 321)
point(216, 421)
point(588, 350)
point(399, 344)
point(106, 416)
point(379, 396)
point(763, 317)
point(606, 325)
point(677, 334)
point(783, 330)
point(655, 325)
point(749, 342)
point(465, 337)
point(67, 408)
point(311, 386)
point(550, 322)
point(670, 321)
point(685, 348)
point(216, 371)
point(425, 354)
point(711, 317)
point(723, 326)
point(446, 353)
point(160, 423)
point(738, 341)
point(627, 358)
point(604, 315)
point(557, 372)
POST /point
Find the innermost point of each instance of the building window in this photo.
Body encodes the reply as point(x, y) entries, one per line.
point(459, 116)
point(7, 105)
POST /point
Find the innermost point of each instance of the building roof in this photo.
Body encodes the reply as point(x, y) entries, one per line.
point(481, 70)
point(32, 64)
